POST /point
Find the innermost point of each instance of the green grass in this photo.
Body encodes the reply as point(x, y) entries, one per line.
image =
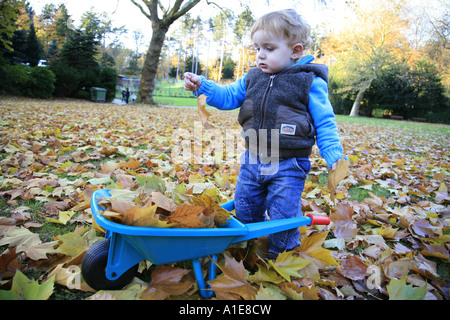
point(423, 127)
point(176, 101)
point(360, 194)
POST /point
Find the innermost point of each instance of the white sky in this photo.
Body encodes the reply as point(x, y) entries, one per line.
point(123, 12)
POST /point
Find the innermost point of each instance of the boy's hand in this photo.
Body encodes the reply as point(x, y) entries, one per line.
point(192, 81)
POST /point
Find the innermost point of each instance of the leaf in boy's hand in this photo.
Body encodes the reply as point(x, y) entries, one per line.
point(204, 114)
point(337, 175)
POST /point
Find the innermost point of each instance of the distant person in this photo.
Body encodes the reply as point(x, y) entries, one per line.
point(123, 95)
point(284, 98)
point(127, 95)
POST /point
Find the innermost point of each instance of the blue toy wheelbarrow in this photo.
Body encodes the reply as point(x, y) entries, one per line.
point(111, 264)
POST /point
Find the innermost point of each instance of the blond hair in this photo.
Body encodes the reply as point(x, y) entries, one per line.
point(286, 24)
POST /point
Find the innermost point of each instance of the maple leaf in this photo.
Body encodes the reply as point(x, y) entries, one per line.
point(204, 114)
point(344, 226)
point(213, 209)
point(9, 263)
point(64, 217)
point(265, 274)
point(337, 175)
point(190, 216)
point(26, 289)
point(166, 282)
point(288, 265)
point(399, 290)
point(41, 250)
point(131, 164)
point(311, 249)
point(72, 244)
point(270, 292)
point(21, 239)
point(353, 268)
point(70, 277)
point(144, 217)
point(294, 292)
point(233, 280)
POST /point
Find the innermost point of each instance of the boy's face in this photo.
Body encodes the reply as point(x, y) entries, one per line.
point(273, 54)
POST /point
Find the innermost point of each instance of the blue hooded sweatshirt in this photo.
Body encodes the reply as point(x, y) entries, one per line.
point(232, 96)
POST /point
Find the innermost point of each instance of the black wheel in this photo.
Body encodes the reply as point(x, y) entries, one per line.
point(93, 269)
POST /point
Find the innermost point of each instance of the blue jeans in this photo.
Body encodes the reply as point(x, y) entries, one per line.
point(275, 188)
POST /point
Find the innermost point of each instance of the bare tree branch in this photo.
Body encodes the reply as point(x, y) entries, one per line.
point(164, 10)
point(140, 8)
point(215, 4)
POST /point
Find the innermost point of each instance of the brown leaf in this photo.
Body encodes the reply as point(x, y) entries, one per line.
point(344, 226)
point(166, 282)
point(189, 216)
point(9, 263)
point(233, 280)
point(353, 268)
point(336, 176)
point(204, 114)
point(131, 164)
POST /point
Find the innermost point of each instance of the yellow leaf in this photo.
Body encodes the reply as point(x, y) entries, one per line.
point(64, 217)
point(26, 289)
point(311, 249)
point(265, 275)
point(288, 265)
point(143, 217)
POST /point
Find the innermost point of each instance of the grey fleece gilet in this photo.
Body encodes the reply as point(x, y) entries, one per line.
point(280, 101)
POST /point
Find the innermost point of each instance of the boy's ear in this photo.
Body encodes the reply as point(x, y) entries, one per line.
point(297, 51)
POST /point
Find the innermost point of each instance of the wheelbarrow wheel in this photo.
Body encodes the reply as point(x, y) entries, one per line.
point(93, 269)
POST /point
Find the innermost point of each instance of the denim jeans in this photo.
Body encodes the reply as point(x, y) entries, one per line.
point(271, 190)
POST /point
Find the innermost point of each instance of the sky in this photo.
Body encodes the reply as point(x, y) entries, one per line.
point(123, 12)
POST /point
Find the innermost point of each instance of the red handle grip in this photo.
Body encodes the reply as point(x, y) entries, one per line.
point(318, 220)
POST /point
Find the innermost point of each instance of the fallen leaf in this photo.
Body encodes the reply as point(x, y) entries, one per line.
point(166, 282)
point(287, 265)
point(311, 249)
point(189, 216)
point(26, 289)
point(144, 217)
point(233, 280)
point(399, 290)
point(344, 225)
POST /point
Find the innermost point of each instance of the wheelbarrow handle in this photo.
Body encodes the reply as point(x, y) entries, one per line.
point(317, 220)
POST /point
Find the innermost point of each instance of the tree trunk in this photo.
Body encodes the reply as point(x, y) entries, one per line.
point(355, 108)
point(150, 68)
point(160, 26)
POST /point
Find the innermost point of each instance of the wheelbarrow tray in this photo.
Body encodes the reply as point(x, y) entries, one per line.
point(130, 245)
point(168, 245)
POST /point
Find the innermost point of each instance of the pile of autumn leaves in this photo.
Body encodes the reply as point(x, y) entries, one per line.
point(56, 154)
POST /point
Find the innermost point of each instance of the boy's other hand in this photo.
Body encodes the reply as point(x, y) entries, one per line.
point(192, 81)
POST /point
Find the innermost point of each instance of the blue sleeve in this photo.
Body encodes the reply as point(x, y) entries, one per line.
point(322, 113)
point(226, 97)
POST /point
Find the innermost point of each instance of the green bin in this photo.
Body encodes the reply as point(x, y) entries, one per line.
point(98, 94)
